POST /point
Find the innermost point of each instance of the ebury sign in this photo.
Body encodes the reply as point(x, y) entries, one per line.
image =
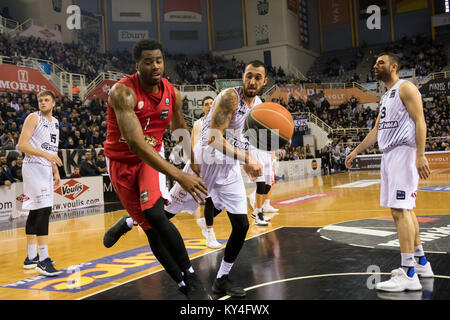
point(26, 80)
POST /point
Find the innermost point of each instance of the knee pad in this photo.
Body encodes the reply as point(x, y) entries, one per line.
point(239, 222)
point(30, 226)
point(42, 221)
point(267, 188)
point(260, 187)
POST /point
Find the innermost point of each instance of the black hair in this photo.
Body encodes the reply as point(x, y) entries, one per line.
point(393, 58)
point(206, 98)
point(257, 64)
point(147, 44)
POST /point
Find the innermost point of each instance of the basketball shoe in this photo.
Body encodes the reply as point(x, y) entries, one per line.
point(211, 241)
point(194, 289)
point(260, 220)
point(32, 264)
point(400, 282)
point(224, 285)
point(115, 232)
point(46, 268)
point(423, 271)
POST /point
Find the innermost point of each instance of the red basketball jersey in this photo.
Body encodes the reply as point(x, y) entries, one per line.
point(153, 116)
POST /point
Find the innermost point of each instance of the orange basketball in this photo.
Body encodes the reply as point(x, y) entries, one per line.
point(273, 126)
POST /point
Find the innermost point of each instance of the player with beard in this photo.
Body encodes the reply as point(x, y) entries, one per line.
point(140, 107)
point(221, 149)
point(400, 131)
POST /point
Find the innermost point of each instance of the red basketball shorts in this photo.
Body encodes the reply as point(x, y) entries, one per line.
point(138, 187)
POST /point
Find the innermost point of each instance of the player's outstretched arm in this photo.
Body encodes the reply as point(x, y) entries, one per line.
point(123, 100)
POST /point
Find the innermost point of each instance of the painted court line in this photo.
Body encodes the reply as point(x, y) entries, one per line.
point(370, 232)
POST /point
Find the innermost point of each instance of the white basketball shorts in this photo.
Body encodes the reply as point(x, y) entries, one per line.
point(223, 180)
point(399, 178)
point(265, 159)
point(37, 186)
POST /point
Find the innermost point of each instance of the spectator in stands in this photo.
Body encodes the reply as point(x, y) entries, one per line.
point(87, 167)
point(101, 164)
point(16, 170)
point(9, 145)
point(76, 172)
point(6, 174)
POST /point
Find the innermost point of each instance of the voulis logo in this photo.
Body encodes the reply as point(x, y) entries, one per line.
point(72, 189)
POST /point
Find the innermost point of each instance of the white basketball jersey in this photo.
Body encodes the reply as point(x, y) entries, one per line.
point(235, 131)
point(396, 126)
point(45, 137)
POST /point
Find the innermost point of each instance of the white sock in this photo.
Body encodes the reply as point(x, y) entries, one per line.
point(266, 203)
point(181, 284)
point(130, 223)
point(225, 268)
point(191, 270)
point(43, 253)
point(32, 251)
point(418, 251)
point(407, 259)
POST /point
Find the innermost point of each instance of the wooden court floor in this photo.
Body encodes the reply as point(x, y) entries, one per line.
point(308, 207)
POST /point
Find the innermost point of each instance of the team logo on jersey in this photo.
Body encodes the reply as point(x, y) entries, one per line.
point(182, 194)
point(140, 105)
point(151, 140)
point(164, 113)
point(44, 190)
point(392, 93)
point(167, 101)
point(144, 196)
point(401, 195)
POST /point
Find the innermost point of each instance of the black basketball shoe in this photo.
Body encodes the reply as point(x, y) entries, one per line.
point(224, 285)
point(115, 232)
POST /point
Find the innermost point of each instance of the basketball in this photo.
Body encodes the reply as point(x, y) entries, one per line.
point(277, 122)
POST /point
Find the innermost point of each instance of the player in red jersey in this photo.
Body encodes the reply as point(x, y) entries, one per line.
point(140, 108)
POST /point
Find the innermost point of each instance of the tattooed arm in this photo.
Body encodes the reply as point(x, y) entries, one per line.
point(224, 107)
point(123, 100)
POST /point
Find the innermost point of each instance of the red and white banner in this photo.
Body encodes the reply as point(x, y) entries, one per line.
point(101, 91)
point(182, 11)
point(72, 194)
point(42, 33)
point(27, 80)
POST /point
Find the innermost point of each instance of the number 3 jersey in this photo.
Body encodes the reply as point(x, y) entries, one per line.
point(46, 138)
point(396, 126)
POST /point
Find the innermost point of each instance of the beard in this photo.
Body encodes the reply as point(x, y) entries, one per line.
point(250, 94)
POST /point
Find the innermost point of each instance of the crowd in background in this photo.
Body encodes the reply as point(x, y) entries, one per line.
point(83, 123)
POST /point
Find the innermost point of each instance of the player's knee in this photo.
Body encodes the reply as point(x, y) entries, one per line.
point(397, 213)
point(30, 226)
point(239, 223)
point(260, 187)
point(267, 188)
point(42, 221)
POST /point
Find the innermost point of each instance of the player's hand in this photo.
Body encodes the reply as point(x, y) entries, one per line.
point(56, 181)
point(423, 167)
point(253, 169)
point(53, 158)
point(194, 185)
point(349, 159)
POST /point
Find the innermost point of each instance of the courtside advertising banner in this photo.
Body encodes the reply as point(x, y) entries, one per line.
point(78, 193)
point(74, 193)
point(27, 80)
point(7, 201)
point(436, 160)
